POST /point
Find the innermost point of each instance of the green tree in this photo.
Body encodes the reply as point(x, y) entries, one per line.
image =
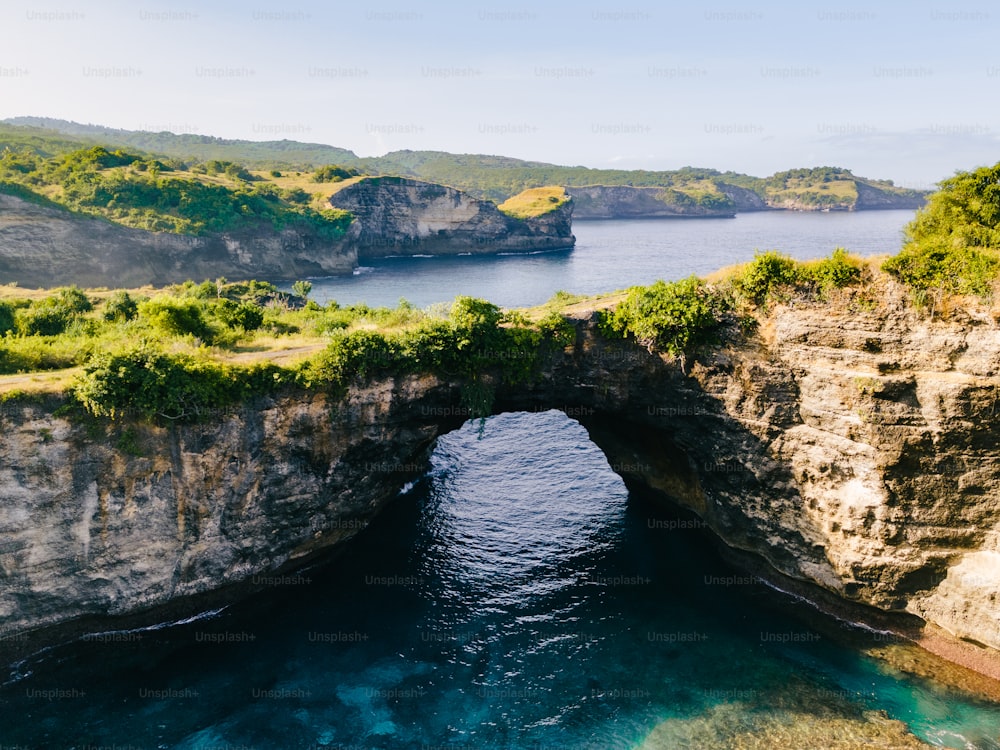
point(245, 315)
point(674, 317)
point(302, 289)
point(120, 306)
point(953, 244)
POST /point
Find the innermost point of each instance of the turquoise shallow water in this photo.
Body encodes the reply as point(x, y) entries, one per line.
point(516, 597)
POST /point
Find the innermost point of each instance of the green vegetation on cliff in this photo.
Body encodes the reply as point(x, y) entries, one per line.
point(953, 244)
point(677, 317)
point(673, 317)
point(185, 352)
point(63, 135)
point(534, 202)
point(162, 196)
point(823, 187)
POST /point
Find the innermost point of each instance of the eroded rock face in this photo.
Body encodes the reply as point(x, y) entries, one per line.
point(856, 450)
point(870, 197)
point(399, 216)
point(866, 198)
point(744, 199)
point(624, 202)
point(45, 246)
point(87, 528)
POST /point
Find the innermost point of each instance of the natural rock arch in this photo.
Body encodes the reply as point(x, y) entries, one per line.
point(860, 474)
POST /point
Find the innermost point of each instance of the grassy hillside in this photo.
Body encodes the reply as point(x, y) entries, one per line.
point(498, 178)
point(823, 187)
point(191, 351)
point(164, 196)
point(191, 147)
point(485, 176)
point(534, 202)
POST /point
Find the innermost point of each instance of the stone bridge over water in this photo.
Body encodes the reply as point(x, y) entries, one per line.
point(852, 457)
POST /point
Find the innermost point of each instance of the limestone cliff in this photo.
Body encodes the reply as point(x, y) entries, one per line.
point(853, 448)
point(401, 216)
point(872, 197)
point(87, 529)
point(861, 196)
point(744, 199)
point(624, 202)
point(46, 246)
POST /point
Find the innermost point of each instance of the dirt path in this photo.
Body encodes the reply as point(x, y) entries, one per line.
point(54, 381)
point(273, 355)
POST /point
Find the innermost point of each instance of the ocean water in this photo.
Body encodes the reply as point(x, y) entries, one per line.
point(612, 255)
point(516, 597)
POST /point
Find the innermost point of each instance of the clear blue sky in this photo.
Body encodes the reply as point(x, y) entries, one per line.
point(908, 91)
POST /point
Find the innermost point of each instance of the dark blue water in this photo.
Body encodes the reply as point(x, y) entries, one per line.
point(516, 597)
point(612, 255)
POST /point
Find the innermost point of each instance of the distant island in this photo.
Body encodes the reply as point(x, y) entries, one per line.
point(102, 206)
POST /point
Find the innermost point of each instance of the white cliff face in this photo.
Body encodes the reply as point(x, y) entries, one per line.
point(45, 246)
point(88, 529)
point(398, 216)
point(893, 448)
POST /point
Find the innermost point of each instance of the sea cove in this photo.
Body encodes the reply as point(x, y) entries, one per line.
point(615, 254)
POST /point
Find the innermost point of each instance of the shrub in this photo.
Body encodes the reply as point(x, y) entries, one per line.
point(176, 317)
point(963, 270)
point(35, 354)
point(432, 346)
point(258, 292)
point(7, 317)
point(245, 315)
point(333, 173)
point(953, 244)
point(557, 329)
point(206, 290)
point(41, 320)
point(474, 314)
point(351, 356)
point(302, 288)
point(674, 317)
point(73, 300)
point(835, 272)
point(762, 277)
point(155, 385)
point(120, 307)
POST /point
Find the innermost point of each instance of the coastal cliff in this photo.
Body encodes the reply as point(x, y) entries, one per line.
point(401, 216)
point(846, 194)
point(847, 447)
point(622, 202)
point(90, 529)
point(46, 245)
